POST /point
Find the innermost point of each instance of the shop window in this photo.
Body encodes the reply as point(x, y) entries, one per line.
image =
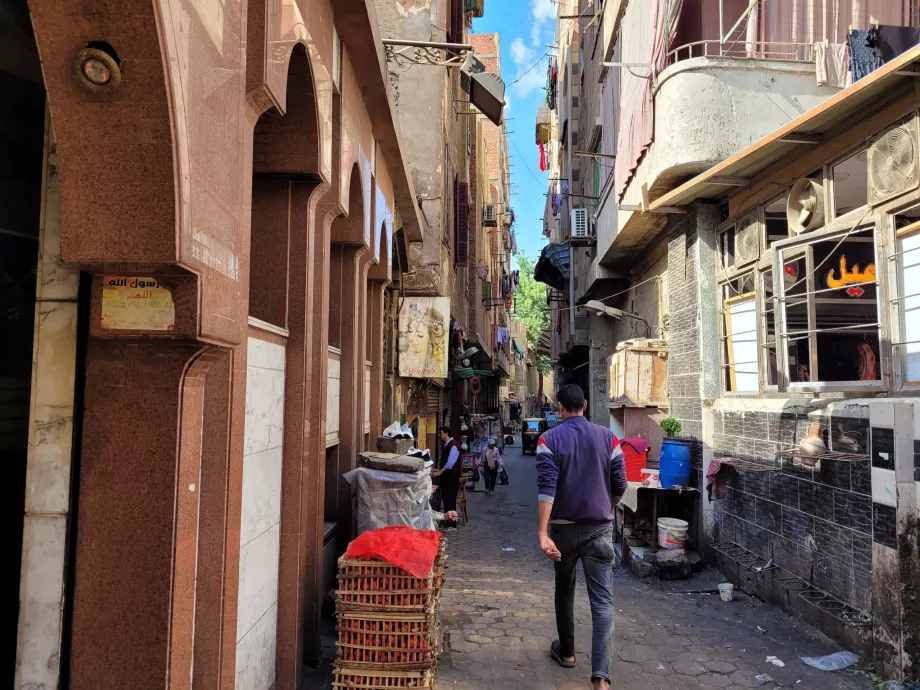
point(907, 263)
point(776, 226)
point(851, 184)
point(829, 308)
point(740, 360)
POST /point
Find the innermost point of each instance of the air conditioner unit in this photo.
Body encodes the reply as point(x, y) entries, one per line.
point(580, 222)
point(489, 218)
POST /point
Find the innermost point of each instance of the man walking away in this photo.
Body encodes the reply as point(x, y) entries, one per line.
point(449, 473)
point(581, 476)
point(491, 460)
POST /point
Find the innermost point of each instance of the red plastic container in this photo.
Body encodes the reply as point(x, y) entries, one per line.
point(635, 451)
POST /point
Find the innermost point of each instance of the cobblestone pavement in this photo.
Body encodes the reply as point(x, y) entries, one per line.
point(498, 608)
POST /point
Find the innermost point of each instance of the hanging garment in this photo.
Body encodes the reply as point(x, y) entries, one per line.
point(831, 64)
point(542, 157)
point(896, 40)
point(867, 368)
point(862, 56)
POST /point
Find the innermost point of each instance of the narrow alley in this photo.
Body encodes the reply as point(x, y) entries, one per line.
point(498, 607)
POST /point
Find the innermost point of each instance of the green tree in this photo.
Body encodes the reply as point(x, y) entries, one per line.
point(530, 302)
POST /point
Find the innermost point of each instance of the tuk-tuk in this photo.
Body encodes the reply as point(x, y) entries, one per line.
point(531, 429)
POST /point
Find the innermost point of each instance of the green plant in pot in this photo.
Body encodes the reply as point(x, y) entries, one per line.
point(671, 427)
point(674, 465)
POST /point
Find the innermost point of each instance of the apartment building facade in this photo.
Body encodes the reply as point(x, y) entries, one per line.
point(459, 162)
point(671, 89)
point(200, 222)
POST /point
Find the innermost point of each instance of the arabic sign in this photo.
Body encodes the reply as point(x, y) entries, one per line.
point(854, 278)
point(424, 329)
point(136, 303)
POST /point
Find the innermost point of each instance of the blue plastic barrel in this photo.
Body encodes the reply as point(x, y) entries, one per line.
point(674, 467)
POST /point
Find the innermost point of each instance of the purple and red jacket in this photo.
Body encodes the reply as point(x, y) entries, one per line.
point(580, 470)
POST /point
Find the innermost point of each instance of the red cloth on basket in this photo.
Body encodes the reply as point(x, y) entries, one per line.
point(413, 550)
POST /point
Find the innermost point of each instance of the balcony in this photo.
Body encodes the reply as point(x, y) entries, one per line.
point(500, 362)
point(707, 108)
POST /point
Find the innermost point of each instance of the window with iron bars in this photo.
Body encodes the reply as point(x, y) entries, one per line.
point(812, 312)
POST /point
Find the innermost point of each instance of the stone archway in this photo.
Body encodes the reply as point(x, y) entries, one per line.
point(279, 513)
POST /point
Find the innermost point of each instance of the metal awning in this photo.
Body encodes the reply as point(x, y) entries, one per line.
point(552, 268)
point(821, 124)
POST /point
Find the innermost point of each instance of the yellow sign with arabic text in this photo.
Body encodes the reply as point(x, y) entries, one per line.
point(852, 278)
point(136, 303)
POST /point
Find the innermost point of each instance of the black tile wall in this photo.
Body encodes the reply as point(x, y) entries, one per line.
point(755, 425)
point(845, 430)
point(861, 590)
point(883, 448)
point(884, 525)
point(832, 576)
point(853, 511)
point(784, 489)
point(785, 430)
point(917, 460)
point(816, 499)
point(798, 526)
point(861, 477)
point(862, 552)
point(768, 515)
point(756, 483)
point(835, 473)
point(834, 541)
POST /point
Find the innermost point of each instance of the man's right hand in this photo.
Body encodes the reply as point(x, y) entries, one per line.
point(549, 548)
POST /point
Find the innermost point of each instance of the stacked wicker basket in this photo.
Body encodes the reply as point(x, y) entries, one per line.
point(388, 628)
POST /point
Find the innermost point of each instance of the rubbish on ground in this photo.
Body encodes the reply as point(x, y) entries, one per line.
point(726, 591)
point(775, 661)
point(832, 662)
point(763, 631)
point(508, 549)
point(761, 568)
point(763, 678)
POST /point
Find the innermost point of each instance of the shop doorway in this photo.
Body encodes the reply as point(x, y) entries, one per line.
point(22, 136)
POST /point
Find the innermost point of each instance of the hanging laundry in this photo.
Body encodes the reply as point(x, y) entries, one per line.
point(542, 157)
point(831, 64)
point(863, 57)
point(896, 40)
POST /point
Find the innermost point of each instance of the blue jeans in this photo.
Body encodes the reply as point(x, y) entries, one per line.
point(593, 544)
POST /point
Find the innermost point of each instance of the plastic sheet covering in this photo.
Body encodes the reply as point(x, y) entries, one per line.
point(392, 498)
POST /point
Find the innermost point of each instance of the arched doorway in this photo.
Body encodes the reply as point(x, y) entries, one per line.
point(22, 131)
point(347, 271)
point(39, 304)
point(280, 497)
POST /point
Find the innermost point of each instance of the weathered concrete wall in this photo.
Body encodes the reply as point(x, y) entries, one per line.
point(706, 110)
point(425, 108)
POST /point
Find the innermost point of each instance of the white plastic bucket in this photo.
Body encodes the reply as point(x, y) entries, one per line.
point(726, 591)
point(672, 533)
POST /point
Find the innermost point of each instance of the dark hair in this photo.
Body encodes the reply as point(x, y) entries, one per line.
point(571, 397)
point(445, 429)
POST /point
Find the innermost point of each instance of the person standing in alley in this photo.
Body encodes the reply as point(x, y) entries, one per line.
point(491, 461)
point(581, 476)
point(449, 472)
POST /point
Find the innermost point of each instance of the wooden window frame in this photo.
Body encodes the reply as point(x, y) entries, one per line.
point(794, 248)
point(898, 291)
